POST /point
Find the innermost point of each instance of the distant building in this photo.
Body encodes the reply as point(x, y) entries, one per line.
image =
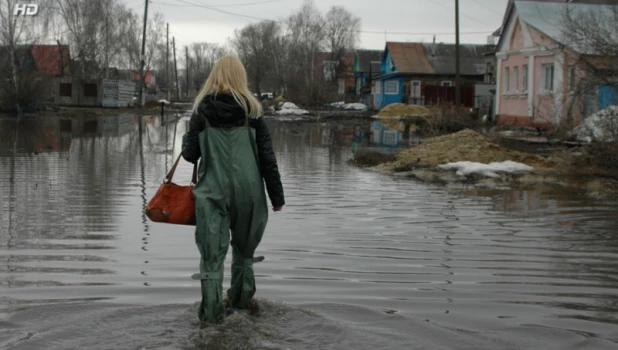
point(424, 73)
point(537, 72)
point(366, 66)
point(336, 72)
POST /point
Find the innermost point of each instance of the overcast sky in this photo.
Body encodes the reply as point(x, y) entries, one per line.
point(406, 20)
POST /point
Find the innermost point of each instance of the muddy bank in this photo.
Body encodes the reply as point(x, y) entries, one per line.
point(89, 112)
point(325, 115)
point(468, 159)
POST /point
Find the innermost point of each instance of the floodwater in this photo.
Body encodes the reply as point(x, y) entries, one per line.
point(356, 260)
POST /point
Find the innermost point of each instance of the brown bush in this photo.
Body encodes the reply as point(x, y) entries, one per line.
point(366, 158)
point(602, 155)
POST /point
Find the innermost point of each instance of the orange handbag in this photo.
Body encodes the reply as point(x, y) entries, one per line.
point(173, 204)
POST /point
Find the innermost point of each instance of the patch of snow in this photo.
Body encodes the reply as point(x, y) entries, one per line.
point(488, 170)
point(601, 126)
point(164, 102)
point(292, 112)
point(289, 108)
point(338, 104)
point(355, 106)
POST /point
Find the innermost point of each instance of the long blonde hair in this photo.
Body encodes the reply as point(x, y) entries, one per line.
point(228, 75)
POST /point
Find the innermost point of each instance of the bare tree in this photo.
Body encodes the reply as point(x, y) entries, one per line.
point(17, 34)
point(592, 36)
point(254, 48)
point(342, 33)
point(307, 32)
point(202, 58)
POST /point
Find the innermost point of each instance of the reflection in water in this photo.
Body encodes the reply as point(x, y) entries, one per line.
point(515, 264)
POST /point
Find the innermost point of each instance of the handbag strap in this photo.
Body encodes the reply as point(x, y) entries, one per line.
point(170, 175)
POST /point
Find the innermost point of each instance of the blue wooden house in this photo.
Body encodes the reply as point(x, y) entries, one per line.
point(366, 66)
point(384, 136)
point(419, 73)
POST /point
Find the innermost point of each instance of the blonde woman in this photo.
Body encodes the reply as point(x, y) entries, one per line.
point(230, 138)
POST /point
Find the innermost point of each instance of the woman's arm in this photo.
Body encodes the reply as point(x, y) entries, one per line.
point(191, 140)
point(268, 163)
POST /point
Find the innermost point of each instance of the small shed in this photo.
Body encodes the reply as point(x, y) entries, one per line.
point(93, 92)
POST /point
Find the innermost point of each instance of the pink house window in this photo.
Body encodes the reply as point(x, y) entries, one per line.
point(507, 80)
point(548, 77)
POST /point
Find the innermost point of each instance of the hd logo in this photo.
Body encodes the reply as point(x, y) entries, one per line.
point(26, 9)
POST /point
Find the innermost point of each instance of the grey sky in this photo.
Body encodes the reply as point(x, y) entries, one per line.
point(191, 23)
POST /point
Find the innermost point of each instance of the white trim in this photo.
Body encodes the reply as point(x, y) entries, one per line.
point(508, 34)
point(386, 83)
point(516, 79)
point(450, 83)
point(420, 84)
point(531, 74)
point(558, 86)
point(540, 49)
point(498, 85)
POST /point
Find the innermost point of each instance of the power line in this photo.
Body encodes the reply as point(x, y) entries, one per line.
point(222, 11)
point(229, 5)
point(427, 33)
point(489, 8)
point(463, 14)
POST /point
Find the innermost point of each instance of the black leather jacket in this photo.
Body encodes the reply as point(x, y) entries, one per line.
point(223, 111)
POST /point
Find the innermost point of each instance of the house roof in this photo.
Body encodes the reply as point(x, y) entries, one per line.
point(420, 58)
point(49, 59)
point(548, 18)
point(367, 57)
point(472, 58)
point(410, 58)
point(509, 8)
point(148, 75)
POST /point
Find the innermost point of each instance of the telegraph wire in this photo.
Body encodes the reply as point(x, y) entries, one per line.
point(218, 6)
point(223, 11)
point(489, 8)
point(463, 14)
point(426, 33)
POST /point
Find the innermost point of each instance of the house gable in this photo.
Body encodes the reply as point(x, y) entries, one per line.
point(540, 39)
point(387, 65)
point(504, 43)
point(517, 38)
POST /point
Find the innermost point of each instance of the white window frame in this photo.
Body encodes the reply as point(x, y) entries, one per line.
point(446, 83)
point(572, 78)
point(330, 70)
point(391, 83)
point(524, 80)
point(516, 79)
point(378, 87)
point(507, 80)
point(548, 78)
point(415, 93)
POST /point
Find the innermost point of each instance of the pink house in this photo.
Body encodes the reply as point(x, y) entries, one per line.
point(536, 70)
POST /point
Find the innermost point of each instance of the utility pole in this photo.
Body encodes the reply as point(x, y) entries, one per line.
point(142, 63)
point(175, 68)
point(167, 61)
point(187, 67)
point(457, 59)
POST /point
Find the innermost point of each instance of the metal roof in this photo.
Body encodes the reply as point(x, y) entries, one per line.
point(548, 18)
point(366, 59)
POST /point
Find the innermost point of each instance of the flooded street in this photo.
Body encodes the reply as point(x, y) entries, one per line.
point(356, 259)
